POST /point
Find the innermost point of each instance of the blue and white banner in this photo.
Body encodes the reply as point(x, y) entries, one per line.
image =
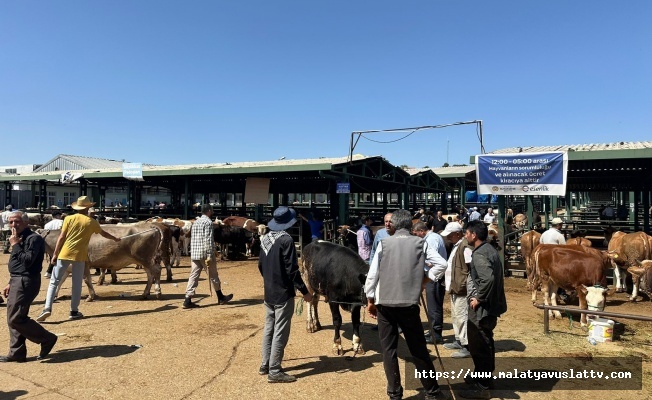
point(522, 174)
point(132, 171)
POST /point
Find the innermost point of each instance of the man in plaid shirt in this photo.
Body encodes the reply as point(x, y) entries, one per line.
point(202, 255)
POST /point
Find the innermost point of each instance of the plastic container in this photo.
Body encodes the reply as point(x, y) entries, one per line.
point(601, 330)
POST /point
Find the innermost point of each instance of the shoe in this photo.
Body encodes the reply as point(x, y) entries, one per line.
point(280, 377)
point(453, 346)
point(462, 353)
point(76, 315)
point(6, 359)
point(438, 339)
point(46, 348)
point(438, 395)
point(187, 303)
point(225, 299)
point(44, 315)
point(47, 275)
point(263, 370)
point(477, 392)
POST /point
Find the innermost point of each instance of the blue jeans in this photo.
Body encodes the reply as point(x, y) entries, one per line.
point(276, 334)
point(58, 274)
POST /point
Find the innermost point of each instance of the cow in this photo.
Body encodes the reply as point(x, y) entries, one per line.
point(529, 242)
point(577, 238)
point(184, 236)
point(338, 273)
point(139, 245)
point(625, 249)
point(520, 221)
point(225, 236)
point(249, 225)
point(579, 268)
point(347, 238)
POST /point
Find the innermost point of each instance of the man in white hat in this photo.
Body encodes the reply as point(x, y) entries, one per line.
point(553, 235)
point(71, 250)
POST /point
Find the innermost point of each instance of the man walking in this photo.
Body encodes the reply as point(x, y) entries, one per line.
point(365, 239)
point(393, 288)
point(71, 251)
point(486, 298)
point(25, 262)
point(280, 270)
point(202, 255)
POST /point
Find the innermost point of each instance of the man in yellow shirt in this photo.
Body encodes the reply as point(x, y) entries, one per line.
point(71, 250)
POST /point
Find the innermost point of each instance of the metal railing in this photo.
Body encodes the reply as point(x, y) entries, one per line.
point(546, 316)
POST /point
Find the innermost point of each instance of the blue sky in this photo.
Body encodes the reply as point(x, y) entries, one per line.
point(172, 82)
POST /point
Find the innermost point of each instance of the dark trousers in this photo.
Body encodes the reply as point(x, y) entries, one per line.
point(481, 344)
point(22, 291)
point(435, 292)
point(409, 320)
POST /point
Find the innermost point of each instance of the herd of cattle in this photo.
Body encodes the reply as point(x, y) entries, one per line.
point(337, 273)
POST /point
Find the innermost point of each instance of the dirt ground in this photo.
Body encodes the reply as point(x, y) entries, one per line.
point(126, 348)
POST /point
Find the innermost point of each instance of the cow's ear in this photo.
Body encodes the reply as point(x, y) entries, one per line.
point(584, 289)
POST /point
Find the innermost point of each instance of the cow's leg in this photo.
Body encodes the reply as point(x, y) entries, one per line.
point(619, 278)
point(355, 319)
point(114, 276)
point(168, 270)
point(583, 305)
point(100, 280)
point(89, 284)
point(637, 273)
point(545, 290)
point(148, 285)
point(337, 325)
point(312, 316)
point(553, 298)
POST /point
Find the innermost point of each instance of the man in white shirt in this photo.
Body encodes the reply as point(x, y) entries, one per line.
point(4, 225)
point(489, 217)
point(56, 223)
point(553, 235)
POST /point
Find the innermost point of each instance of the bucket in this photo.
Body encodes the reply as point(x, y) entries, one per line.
point(601, 329)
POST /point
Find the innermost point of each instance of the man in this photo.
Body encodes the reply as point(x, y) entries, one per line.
point(71, 251)
point(439, 223)
point(382, 233)
point(393, 288)
point(490, 216)
point(55, 224)
point(456, 276)
point(316, 226)
point(279, 268)
point(608, 213)
point(25, 262)
point(6, 230)
point(202, 252)
point(435, 289)
point(486, 298)
point(475, 215)
point(553, 235)
point(365, 239)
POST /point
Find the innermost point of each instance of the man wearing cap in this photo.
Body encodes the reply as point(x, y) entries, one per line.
point(435, 289)
point(553, 235)
point(25, 262)
point(202, 255)
point(71, 250)
point(280, 270)
point(455, 280)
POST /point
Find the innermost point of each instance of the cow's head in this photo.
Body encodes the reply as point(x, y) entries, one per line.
point(644, 270)
point(595, 297)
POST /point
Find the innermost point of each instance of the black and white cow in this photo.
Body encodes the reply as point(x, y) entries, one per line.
point(338, 273)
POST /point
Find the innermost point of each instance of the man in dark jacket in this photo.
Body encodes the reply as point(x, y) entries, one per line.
point(486, 297)
point(280, 270)
point(24, 284)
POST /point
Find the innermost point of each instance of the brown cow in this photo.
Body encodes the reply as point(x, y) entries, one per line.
point(578, 268)
point(140, 245)
point(529, 242)
point(249, 225)
point(625, 250)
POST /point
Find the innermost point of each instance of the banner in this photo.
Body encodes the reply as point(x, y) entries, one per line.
point(522, 174)
point(132, 171)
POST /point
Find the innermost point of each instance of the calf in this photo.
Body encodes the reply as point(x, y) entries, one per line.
point(529, 242)
point(338, 273)
point(578, 268)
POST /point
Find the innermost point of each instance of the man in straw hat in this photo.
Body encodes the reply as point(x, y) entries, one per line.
point(280, 270)
point(71, 250)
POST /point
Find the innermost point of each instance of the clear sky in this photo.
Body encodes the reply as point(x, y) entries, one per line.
point(182, 82)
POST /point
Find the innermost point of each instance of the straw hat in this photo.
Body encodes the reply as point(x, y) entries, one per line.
point(82, 203)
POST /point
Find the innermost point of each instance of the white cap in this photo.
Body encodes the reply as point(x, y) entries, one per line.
point(450, 228)
point(556, 221)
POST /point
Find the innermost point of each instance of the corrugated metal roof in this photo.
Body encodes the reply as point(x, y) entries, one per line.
point(577, 147)
point(66, 162)
point(444, 172)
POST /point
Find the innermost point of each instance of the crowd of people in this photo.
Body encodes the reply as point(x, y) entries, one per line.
point(403, 256)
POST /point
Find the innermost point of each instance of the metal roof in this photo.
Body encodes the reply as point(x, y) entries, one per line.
point(67, 162)
point(590, 151)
